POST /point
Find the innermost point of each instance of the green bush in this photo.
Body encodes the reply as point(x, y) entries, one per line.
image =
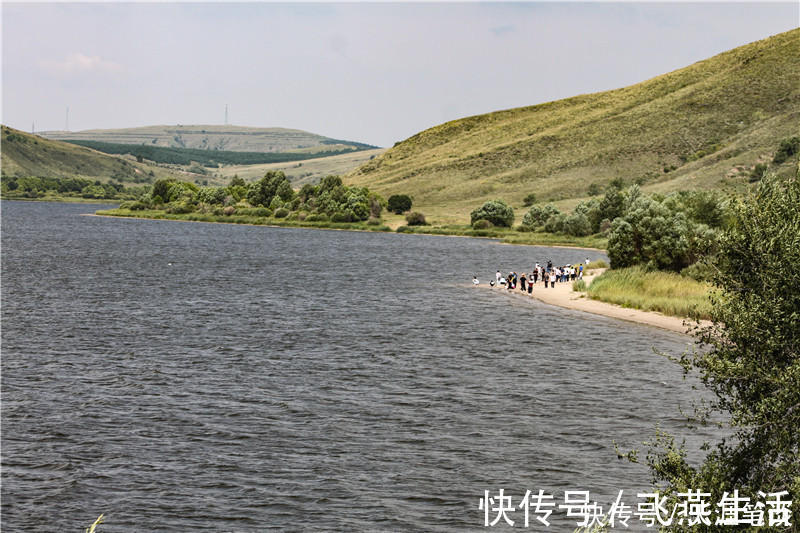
point(787, 149)
point(415, 218)
point(281, 212)
point(577, 225)
point(758, 172)
point(372, 221)
point(339, 217)
point(530, 199)
point(482, 224)
point(495, 211)
point(179, 208)
point(399, 203)
point(537, 216)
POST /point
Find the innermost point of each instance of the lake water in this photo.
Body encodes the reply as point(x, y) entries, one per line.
point(205, 377)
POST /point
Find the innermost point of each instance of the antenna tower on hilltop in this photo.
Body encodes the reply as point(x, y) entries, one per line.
point(66, 125)
point(226, 114)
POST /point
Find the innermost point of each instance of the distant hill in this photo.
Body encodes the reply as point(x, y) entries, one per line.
point(24, 154)
point(209, 137)
point(702, 126)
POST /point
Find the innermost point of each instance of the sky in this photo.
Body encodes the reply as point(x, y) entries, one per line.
point(373, 72)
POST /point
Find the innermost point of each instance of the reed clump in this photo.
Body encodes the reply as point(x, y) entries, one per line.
point(664, 292)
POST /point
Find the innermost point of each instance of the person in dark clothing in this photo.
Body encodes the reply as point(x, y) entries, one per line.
point(522, 281)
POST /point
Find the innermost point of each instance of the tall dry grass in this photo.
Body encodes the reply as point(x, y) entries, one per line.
point(664, 292)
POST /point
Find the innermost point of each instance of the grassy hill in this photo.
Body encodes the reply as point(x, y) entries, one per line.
point(703, 126)
point(24, 154)
point(209, 137)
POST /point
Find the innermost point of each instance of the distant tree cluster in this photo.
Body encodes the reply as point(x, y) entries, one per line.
point(270, 196)
point(204, 158)
point(39, 187)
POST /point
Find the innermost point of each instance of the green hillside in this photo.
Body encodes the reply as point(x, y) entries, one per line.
point(704, 126)
point(209, 137)
point(25, 155)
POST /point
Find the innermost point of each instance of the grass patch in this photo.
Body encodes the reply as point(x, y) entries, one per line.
point(242, 219)
point(599, 263)
point(664, 292)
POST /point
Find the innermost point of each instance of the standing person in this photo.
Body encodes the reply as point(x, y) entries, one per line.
point(499, 277)
point(522, 281)
point(580, 271)
point(535, 272)
point(587, 262)
point(552, 280)
point(474, 280)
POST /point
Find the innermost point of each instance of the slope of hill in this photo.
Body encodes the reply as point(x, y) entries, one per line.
point(686, 129)
point(24, 154)
point(208, 137)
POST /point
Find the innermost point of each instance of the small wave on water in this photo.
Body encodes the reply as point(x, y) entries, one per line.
point(274, 378)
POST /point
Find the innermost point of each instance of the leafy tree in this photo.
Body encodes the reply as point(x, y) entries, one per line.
point(537, 216)
point(262, 192)
point(750, 359)
point(495, 211)
point(651, 232)
point(399, 203)
point(612, 205)
point(236, 181)
point(161, 187)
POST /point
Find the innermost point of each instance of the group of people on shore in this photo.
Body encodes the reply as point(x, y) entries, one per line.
point(547, 274)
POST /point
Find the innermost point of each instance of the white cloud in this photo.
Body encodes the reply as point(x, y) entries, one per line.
point(82, 64)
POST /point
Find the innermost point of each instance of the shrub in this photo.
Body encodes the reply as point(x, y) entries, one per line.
point(338, 217)
point(482, 224)
point(317, 217)
point(758, 172)
point(556, 223)
point(228, 211)
point(372, 221)
point(529, 200)
point(179, 209)
point(537, 216)
point(281, 212)
point(577, 225)
point(133, 206)
point(787, 149)
point(404, 229)
point(415, 218)
point(399, 203)
point(495, 211)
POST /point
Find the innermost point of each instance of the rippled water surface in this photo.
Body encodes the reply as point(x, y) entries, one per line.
point(205, 377)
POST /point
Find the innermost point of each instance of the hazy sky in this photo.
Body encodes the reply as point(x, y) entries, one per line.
point(369, 72)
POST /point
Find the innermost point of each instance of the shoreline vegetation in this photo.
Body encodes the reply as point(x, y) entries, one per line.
point(619, 296)
point(504, 235)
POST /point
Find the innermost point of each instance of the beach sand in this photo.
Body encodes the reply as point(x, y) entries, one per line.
point(563, 296)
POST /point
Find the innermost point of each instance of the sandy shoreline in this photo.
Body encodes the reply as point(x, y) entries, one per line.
point(563, 296)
